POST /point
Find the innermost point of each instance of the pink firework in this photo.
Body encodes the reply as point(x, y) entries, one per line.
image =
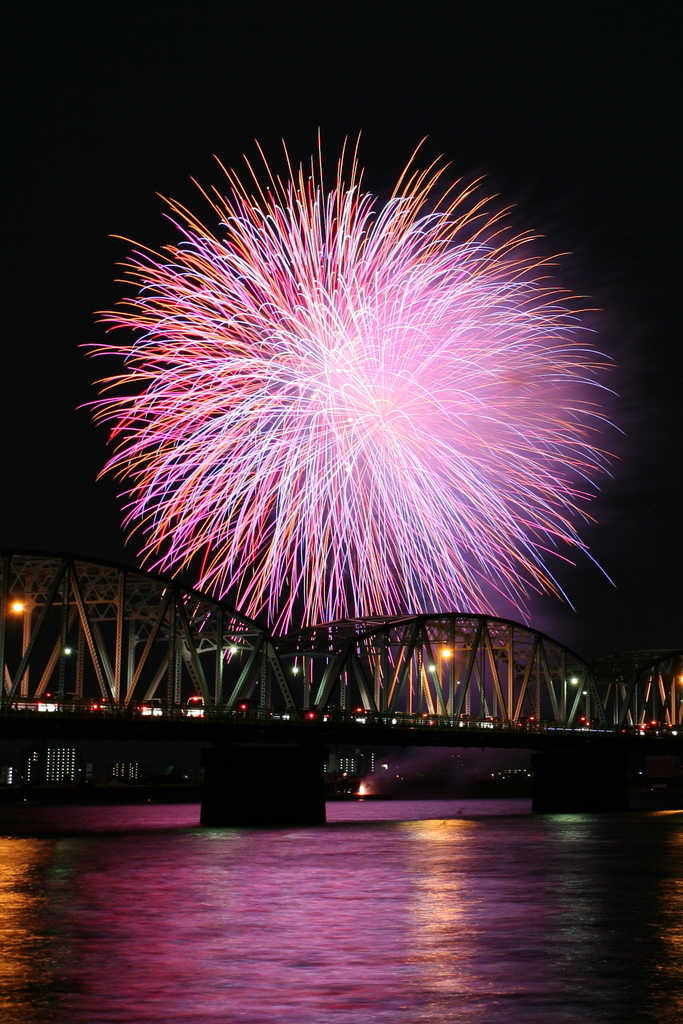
point(335, 407)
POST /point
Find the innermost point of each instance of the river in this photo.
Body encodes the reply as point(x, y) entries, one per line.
point(395, 912)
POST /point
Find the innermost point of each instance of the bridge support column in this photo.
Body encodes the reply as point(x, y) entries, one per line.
point(264, 784)
point(579, 782)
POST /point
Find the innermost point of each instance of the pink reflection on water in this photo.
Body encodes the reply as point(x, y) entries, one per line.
point(462, 918)
point(25, 819)
point(233, 926)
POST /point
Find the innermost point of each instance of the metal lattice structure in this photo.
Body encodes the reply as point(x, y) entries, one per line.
point(81, 630)
point(640, 689)
point(452, 666)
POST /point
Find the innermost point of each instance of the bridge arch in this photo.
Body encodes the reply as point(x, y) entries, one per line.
point(86, 631)
point(455, 665)
point(642, 689)
point(97, 632)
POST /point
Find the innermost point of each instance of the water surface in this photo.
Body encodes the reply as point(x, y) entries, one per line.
point(434, 911)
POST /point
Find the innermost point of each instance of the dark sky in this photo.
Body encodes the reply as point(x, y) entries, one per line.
point(570, 110)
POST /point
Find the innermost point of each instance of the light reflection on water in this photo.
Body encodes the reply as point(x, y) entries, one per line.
point(23, 946)
point(445, 913)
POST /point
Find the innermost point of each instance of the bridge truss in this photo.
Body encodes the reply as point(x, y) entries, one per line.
point(642, 689)
point(455, 666)
point(95, 634)
point(83, 631)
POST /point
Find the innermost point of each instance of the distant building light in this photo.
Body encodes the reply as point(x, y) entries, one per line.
point(60, 764)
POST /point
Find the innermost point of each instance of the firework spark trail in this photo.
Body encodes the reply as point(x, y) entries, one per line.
point(343, 409)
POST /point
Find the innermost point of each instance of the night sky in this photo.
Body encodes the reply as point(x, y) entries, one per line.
point(571, 111)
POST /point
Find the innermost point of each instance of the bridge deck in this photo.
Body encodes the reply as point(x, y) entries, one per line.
point(264, 726)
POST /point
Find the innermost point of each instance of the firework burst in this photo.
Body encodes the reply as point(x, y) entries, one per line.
point(336, 407)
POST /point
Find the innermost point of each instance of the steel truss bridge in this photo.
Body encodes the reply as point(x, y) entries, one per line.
point(91, 639)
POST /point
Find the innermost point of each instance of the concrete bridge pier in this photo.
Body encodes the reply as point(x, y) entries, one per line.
point(579, 782)
point(264, 784)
